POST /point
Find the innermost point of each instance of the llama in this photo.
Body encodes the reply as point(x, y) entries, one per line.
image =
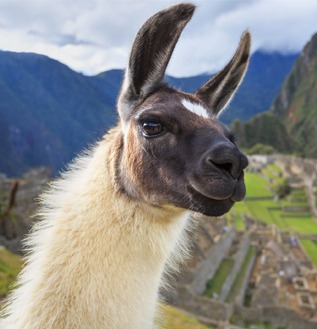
point(117, 220)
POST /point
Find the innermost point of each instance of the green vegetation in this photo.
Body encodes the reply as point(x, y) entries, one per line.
point(290, 213)
point(177, 319)
point(273, 173)
point(260, 205)
point(290, 125)
point(42, 91)
point(257, 186)
point(282, 188)
point(261, 149)
point(277, 183)
point(263, 134)
point(10, 266)
point(237, 284)
point(236, 319)
point(298, 193)
point(237, 219)
point(311, 249)
point(215, 284)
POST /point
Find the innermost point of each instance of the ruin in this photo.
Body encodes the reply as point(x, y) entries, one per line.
point(262, 274)
point(276, 284)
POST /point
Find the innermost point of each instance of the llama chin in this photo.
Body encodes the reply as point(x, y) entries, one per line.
point(117, 220)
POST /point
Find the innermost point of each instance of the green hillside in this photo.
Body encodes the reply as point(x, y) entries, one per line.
point(173, 318)
point(290, 126)
point(10, 266)
point(263, 129)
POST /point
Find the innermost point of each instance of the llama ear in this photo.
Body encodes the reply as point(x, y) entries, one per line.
point(218, 91)
point(152, 50)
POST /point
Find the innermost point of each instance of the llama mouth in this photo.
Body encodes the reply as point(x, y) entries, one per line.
point(232, 189)
point(239, 191)
point(207, 205)
point(198, 192)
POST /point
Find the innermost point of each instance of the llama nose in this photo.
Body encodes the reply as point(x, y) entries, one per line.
point(227, 157)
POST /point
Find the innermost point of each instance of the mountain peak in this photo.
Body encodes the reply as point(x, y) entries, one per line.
point(295, 108)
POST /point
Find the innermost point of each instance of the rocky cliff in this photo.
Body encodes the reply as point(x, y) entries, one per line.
point(291, 123)
point(296, 103)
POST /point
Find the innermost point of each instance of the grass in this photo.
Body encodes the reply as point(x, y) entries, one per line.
point(10, 266)
point(240, 208)
point(271, 212)
point(241, 275)
point(289, 202)
point(257, 186)
point(274, 174)
point(215, 284)
point(236, 319)
point(257, 209)
point(298, 193)
point(177, 319)
point(310, 248)
point(261, 209)
point(302, 225)
point(238, 220)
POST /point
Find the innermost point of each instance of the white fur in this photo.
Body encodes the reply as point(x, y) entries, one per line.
point(195, 108)
point(96, 259)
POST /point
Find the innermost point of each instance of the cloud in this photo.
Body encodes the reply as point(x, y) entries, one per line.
point(276, 25)
point(93, 36)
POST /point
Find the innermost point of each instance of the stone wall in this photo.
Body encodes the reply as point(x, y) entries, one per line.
point(14, 245)
point(284, 317)
point(278, 317)
point(209, 266)
point(203, 307)
point(19, 219)
point(239, 299)
point(238, 258)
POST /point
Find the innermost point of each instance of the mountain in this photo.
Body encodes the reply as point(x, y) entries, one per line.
point(293, 114)
point(296, 104)
point(263, 130)
point(262, 82)
point(49, 112)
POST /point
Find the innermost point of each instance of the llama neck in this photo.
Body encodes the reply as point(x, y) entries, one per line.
point(98, 257)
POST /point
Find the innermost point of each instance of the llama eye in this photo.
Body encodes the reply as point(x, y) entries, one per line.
point(151, 129)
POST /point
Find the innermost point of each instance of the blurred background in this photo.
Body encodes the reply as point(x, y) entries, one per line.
point(61, 67)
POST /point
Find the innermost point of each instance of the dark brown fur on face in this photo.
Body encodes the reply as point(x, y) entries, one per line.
point(191, 161)
point(174, 167)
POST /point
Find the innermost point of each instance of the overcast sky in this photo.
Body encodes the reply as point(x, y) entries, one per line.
point(92, 36)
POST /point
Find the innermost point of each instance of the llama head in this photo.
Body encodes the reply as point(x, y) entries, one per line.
point(174, 150)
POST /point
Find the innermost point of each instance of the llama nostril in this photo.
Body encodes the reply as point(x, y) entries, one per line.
point(225, 156)
point(229, 163)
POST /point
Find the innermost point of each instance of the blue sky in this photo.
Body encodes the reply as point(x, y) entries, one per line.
point(91, 36)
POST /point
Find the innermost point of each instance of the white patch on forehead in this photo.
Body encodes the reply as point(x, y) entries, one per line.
point(195, 108)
